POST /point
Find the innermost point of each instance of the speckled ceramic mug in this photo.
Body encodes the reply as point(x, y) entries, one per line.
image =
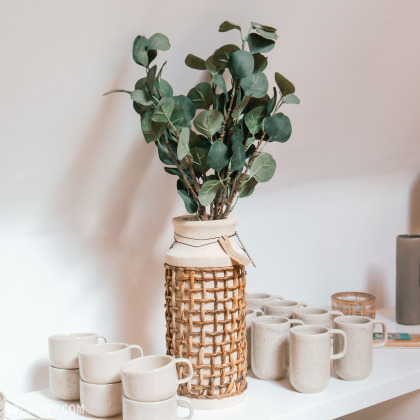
point(310, 354)
point(316, 316)
point(250, 314)
point(357, 363)
point(257, 300)
point(282, 307)
point(270, 346)
point(64, 383)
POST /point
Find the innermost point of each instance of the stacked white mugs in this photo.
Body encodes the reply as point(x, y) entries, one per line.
point(64, 374)
point(2, 405)
point(150, 387)
point(100, 377)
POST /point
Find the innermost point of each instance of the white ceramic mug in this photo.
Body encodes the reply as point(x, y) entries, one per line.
point(250, 314)
point(64, 383)
point(2, 400)
point(158, 410)
point(357, 363)
point(282, 307)
point(101, 363)
point(270, 346)
point(316, 316)
point(257, 300)
point(310, 354)
point(64, 348)
point(101, 400)
point(153, 378)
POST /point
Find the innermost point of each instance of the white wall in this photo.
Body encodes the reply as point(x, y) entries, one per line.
point(85, 205)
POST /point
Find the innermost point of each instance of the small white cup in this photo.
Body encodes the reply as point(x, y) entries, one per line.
point(257, 300)
point(316, 316)
point(64, 383)
point(101, 400)
point(250, 314)
point(282, 307)
point(2, 400)
point(158, 410)
point(153, 378)
point(101, 363)
point(64, 348)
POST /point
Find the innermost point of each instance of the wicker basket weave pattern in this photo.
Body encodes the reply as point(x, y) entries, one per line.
point(205, 322)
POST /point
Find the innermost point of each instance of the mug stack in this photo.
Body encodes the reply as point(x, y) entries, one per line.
point(64, 374)
point(100, 378)
point(2, 405)
point(150, 387)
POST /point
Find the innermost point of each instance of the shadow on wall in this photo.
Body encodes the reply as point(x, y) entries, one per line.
point(414, 227)
point(376, 285)
point(39, 375)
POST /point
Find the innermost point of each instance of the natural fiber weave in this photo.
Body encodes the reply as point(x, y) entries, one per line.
point(354, 303)
point(205, 322)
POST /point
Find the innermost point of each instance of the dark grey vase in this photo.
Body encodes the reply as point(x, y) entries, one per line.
point(408, 280)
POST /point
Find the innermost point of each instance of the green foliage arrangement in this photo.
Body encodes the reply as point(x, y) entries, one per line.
point(213, 138)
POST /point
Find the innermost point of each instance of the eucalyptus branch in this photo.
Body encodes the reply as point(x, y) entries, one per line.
point(235, 90)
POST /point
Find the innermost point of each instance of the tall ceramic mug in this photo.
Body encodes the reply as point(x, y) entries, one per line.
point(257, 300)
point(153, 378)
point(282, 307)
point(250, 314)
point(310, 354)
point(270, 346)
point(101, 363)
point(358, 361)
point(316, 316)
point(64, 348)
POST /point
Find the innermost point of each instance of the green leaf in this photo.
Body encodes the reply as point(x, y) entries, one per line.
point(141, 97)
point(201, 96)
point(211, 66)
point(221, 103)
point(247, 187)
point(184, 144)
point(260, 62)
point(139, 51)
point(256, 84)
point(258, 44)
point(265, 27)
point(208, 122)
point(151, 130)
point(185, 103)
point(208, 192)
point(286, 86)
point(141, 84)
point(218, 156)
point(117, 90)
point(176, 171)
point(190, 204)
point(238, 158)
point(272, 102)
point(163, 153)
point(263, 167)
point(220, 81)
point(237, 111)
point(151, 74)
point(199, 159)
point(151, 55)
point(278, 127)
point(228, 26)
point(267, 34)
point(255, 118)
point(291, 99)
point(162, 113)
point(195, 140)
point(195, 62)
point(241, 64)
point(222, 54)
point(159, 42)
point(164, 87)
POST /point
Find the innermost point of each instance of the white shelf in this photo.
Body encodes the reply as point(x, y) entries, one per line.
point(396, 372)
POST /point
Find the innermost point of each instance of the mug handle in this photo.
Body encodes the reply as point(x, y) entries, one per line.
point(336, 313)
point(189, 377)
point(135, 346)
point(103, 338)
point(384, 334)
point(342, 353)
point(186, 404)
point(259, 312)
point(296, 321)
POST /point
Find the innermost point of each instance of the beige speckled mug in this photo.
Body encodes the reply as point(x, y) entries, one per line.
point(64, 383)
point(357, 363)
point(250, 314)
point(270, 346)
point(257, 300)
point(315, 316)
point(282, 307)
point(310, 354)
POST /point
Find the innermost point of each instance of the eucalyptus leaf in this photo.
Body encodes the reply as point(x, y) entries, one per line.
point(164, 87)
point(185, 103)
point(208, 192)
point(162, 113)
point(199, 159)
point(238, 158)
point(221, 103)
point(176, 171)
point(260, 62)
point(141, 97)
point(255, 118)
point(177, 118)
point(272, 102)
point(212, 66)
point(208, 122)
point(286, 86)
point(258, 44)
point(250, 150)
point(195, 140)
point(117, 90)
point(163, 153)
point(228, 26)
point(190, 204)
point(239, 108)
point(290, 99)
point(158, 42)
point(218, 157)
point(278, 127)
point(139, 51)
point(263, 167)
point(195, 62)
point(151, 74)
point(151, 130)
point(220, 82)
point(267, 34)
point(256, 84)
point(241, 64)
point(141, 84)
point(159, 76)
point(222, 54)
point(265, 27)
point(151, 55)
point(201, 96)
point(184, 144)
point(247, 187)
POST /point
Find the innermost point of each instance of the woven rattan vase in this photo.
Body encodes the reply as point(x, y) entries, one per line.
point(205, 312)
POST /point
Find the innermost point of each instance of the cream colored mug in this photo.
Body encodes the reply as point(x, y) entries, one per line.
point(257, 300)
point(250, 314)
point(282, 307)
point(316, 316)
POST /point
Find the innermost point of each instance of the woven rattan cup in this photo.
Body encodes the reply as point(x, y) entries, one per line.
point(354, 303)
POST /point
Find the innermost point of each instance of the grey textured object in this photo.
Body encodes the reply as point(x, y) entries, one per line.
point(408, 280)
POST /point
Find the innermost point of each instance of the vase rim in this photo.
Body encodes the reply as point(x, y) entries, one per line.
point(190, 220)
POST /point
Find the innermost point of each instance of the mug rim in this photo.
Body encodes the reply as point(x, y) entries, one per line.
point(262, 320)
point(307, 311)
point(91, 350)
point(342, 319)
point(97, 386)
point(73, 336)
point(280, 303)
point(72, 370)
point(258, 296)
point(305, 330)
point(125, 368)
point(150, 403)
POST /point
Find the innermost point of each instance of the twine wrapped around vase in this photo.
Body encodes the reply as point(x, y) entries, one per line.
point(205, 320)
